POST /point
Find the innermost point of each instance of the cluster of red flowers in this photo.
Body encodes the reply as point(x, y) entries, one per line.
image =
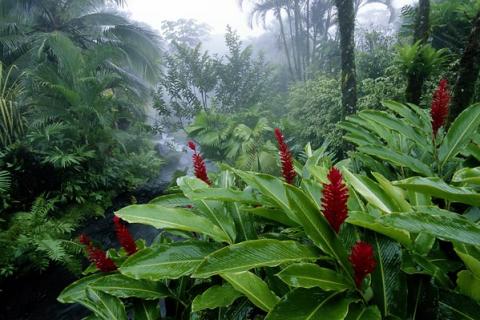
point(439, 109)
point(362, 260)
point(335, 210)
point(124, 236)
point(334, 201)
point(199, 166)
point(288, 170)
point(99, 257)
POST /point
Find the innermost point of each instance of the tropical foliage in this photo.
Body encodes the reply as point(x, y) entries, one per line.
point(390, 233)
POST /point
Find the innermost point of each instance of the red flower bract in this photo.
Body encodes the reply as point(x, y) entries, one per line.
point(439, 109)
point(288, 170)
point(199, 166)
point(124, 236)
point(334, 200)
point(362, 260)
point(97, 256)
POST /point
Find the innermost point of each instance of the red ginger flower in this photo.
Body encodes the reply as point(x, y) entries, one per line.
point(124, 236)
point(98, 256)
point(198, 164)
point(334, 200)
point(362, 260)
point(439, 110)
point(288, 170)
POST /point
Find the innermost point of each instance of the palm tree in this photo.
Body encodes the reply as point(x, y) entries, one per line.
point(30, 27)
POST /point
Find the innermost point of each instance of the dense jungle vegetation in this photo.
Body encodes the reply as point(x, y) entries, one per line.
point(335, 168)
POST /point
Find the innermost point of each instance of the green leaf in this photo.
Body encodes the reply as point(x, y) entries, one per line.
point(438, 188)
point(392, 123)
point(124, 287)
point(395, 193)
point(416, 264)
point(172, 218)
point(222, 194)
point(317, 227)
point(388, 281)
point(76, 290)
point(370, 190)
point(170, 261)
point(360, 312)
point(369, 221)
point(215, 211)
point(424, 243)
point(470, 255)
point(467, 175)
point(146, 310)
point(397, 159)
point(460, 133)
point(215, 297)
point(252, 254)
point(171, 200)
point(244, 223)
point(405, 112)
point(468, 284)
point(276, 215)
point(310, 304)
point(105, 306)
point(309, 275)
point(456, 306)
point(455, 228)
point(272, 188)
point(254, 288)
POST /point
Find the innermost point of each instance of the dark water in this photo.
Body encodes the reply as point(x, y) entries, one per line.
point(33, 296)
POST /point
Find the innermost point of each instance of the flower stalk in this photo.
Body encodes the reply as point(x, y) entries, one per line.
point(200, 169)
point(334, 200)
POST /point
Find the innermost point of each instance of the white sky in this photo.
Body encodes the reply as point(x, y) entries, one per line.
point(216, 13)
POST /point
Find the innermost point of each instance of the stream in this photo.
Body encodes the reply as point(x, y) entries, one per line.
point(34, 296)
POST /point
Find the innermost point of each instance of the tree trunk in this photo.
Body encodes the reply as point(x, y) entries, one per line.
point(346, 24)
point(421, 33)
point(468, 72)
point(284, 39)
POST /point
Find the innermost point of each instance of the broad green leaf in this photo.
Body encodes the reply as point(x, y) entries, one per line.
point(416, 264)
point(76, 290)
point(368, 220)
point(105, 306)
point(424, 243)
point(360, 312)
point(223, 194)
point(419, 199)
point(460, 133)
point(397, 158)
point(309, 275)
point(169, 261)
point(423, 298)
point(388, 281)
point(467, 175)
point(468, 284)
point(396, 194)
point(215, 211)
point(124, 287)
point(457, 306)
point(276, 215)
point(310, 304)
point(244, 223)
point(172, 200)
point(370, 190)
point(405, 112)
point(146, 310)
point(438, 188)
point(215, 297)
point(470, 255)
point(254, 288)
point(392, 123)
point(272, 188)
point(252, 254)
point(317, 227)
point(172, 218)
point(455, 228)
